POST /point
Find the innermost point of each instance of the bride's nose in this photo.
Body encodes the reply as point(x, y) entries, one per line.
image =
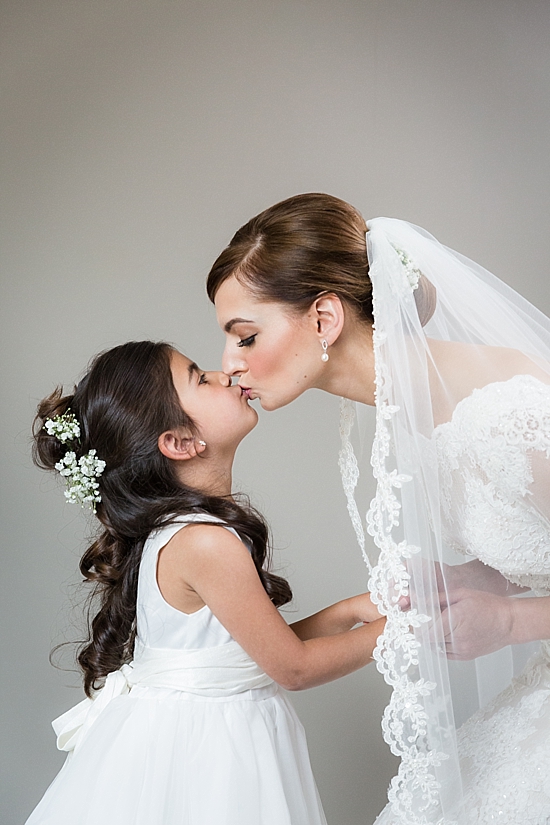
point(232, 364)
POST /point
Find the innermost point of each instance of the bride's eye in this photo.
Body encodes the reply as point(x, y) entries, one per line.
point(247, 342)
point(202, 378)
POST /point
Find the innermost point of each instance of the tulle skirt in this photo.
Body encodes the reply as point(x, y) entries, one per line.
point(165, 757)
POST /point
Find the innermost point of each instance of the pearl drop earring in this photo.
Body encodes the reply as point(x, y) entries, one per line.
point(324, 356)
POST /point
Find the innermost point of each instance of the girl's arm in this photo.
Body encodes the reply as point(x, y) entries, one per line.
point(218, 567)
point(337, 618)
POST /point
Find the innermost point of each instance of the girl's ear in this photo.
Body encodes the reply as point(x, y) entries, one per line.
point(179, 445)
point(329, 316)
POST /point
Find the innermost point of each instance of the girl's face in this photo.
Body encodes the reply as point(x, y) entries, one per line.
point(221, 412)
point(275, 353)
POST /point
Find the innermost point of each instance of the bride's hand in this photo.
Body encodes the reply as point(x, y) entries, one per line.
point(475, 622)
point(472, 575)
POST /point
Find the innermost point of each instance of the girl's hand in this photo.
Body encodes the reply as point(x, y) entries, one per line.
point(337, 618)
point(363, 610)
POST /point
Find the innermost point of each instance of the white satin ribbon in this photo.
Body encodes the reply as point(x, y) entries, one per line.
point(216, 671)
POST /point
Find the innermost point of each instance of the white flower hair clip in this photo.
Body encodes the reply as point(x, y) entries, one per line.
point(64, 427)
point(80, 474)
point(412, 271)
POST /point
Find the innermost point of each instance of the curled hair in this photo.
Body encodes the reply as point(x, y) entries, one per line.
point(300, 248)
point(124, 402)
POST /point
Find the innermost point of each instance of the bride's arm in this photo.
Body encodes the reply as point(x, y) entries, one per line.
point(478, 616)
point(476, 622)
point(530, 619)
point(475, 575)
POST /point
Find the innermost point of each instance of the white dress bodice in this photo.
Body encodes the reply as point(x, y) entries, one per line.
point(159, 625)
point(492, 459)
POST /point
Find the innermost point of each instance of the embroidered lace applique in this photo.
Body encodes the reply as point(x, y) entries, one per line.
point(484, 459)
point(404, 723)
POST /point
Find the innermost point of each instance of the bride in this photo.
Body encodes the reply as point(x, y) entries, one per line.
point(458, 367)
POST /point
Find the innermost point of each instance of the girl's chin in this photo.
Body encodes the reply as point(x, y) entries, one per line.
point(252, 422)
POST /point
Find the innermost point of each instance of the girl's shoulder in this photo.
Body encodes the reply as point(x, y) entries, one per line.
point(177, 559)
point(204, 525)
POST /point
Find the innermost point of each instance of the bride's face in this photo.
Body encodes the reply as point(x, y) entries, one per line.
point(275, 352)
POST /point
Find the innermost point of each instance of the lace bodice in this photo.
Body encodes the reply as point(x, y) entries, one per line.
point(492, 459)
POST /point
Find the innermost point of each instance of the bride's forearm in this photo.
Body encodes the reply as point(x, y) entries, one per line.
point(530, 619)
point(475, 575)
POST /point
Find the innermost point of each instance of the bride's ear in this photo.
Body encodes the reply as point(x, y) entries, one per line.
point(180, 445)
point(329, 316)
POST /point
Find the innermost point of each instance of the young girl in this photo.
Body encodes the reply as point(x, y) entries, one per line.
point(185, 722)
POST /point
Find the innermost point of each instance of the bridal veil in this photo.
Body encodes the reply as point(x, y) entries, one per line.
point(461, 458)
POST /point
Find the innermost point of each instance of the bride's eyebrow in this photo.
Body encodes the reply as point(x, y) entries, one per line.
point(230, 324)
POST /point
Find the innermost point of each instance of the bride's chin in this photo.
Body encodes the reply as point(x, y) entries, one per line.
point(270, 404)
point(267, 405)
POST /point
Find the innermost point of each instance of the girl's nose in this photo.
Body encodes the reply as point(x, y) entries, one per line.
point(221, 377)
point(225, 380)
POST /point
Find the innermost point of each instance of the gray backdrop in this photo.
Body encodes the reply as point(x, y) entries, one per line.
point(139, 134)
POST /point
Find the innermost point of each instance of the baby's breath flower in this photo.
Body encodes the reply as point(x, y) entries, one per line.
point(64, 427)
point(412, 271)
point(80, 474)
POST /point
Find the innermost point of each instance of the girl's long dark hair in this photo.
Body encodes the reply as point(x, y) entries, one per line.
point(123, 403)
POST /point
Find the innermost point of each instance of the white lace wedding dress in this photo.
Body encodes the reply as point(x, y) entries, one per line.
point(492, 456)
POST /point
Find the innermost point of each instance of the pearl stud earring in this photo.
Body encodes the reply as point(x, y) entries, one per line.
point(324, 356)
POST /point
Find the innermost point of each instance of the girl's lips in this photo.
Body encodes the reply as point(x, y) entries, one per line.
point(246, 391)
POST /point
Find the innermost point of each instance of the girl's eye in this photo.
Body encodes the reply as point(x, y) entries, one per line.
point(202, 379)
point(247, 342)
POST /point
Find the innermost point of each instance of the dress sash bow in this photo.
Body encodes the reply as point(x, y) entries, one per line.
point(219, 671)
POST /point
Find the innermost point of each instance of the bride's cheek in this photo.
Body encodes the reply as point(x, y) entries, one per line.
point(266, 364)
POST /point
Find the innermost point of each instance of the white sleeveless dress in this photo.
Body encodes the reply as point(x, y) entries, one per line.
point(192, 732)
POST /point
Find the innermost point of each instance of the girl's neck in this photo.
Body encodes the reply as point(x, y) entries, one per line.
point(211, 474)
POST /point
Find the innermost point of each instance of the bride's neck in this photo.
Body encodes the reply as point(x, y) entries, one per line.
point(349, 371)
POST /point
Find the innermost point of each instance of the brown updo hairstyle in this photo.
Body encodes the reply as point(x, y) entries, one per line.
point(123, 403)
point(302, 247)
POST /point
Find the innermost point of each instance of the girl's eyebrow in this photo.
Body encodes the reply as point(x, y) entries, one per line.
point(230, 324)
